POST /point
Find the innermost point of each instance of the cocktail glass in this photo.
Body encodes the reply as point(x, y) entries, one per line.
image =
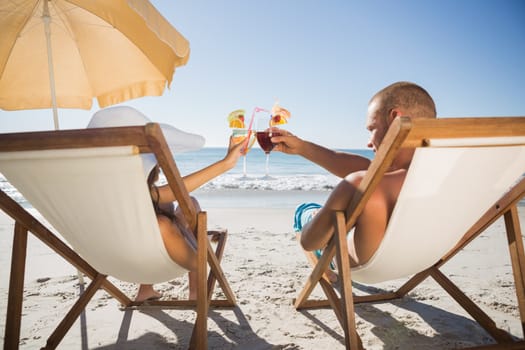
point(240, 135)
point(264, 136)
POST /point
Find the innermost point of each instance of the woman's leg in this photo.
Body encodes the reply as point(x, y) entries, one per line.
point(180, 251)
point(192, 275)
point(192, 281)
point(181, 244)
point(178, 243)
point(146, 292)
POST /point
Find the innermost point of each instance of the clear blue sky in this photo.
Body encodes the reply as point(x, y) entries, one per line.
point(325, 59)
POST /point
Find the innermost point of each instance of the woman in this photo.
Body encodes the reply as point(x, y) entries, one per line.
point(178, 239)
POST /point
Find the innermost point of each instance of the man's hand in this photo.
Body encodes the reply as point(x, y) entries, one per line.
point(286, 142)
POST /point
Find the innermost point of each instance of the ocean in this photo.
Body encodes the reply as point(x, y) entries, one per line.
point(292, 179)
point(286, 172)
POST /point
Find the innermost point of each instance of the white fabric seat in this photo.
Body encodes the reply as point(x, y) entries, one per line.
point(98, 201)
point(437, 194)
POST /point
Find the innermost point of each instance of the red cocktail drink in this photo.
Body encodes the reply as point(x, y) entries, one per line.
point(264, 138)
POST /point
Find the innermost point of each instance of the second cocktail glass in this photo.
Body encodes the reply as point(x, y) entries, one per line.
point(264, 138)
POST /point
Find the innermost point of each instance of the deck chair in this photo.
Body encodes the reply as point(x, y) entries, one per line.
point(466, 173)
point(90, 186)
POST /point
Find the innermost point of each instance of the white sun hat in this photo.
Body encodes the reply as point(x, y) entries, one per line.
point(178, 141)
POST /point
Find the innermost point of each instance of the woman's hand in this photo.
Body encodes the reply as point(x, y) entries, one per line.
point(235, 151)
point(200, 177)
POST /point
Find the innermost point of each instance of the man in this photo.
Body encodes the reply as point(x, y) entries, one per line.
point(316, 222)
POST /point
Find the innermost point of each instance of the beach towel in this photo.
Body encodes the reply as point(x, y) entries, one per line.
point(304, 213)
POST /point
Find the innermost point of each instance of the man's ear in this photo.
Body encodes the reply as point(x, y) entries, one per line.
point(393, 114)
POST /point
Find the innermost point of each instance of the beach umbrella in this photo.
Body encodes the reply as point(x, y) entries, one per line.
point(64, 53)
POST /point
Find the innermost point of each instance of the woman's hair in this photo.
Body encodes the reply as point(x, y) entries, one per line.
point(155, 196)
point(153, 176)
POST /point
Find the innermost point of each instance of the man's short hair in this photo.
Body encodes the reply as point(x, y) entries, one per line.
point(410, 97)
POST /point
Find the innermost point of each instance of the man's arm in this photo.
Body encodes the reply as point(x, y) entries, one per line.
point(337, 163)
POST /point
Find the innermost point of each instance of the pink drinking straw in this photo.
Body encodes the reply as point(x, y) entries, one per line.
point(255, 110)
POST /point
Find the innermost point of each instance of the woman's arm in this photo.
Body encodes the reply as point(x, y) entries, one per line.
point(200, 177)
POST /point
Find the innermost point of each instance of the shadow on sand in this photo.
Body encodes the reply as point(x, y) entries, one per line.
point(396, 334)
point(233, 335)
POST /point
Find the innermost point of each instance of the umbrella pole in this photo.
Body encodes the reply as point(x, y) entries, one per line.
point(47, 19)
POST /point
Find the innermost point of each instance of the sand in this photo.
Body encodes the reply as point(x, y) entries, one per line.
point(266, 270)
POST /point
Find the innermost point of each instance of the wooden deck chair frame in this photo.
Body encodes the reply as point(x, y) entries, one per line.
point(405, 132)
point(148, 139)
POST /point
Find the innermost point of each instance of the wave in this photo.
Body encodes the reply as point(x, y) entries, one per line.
point(310, 182)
